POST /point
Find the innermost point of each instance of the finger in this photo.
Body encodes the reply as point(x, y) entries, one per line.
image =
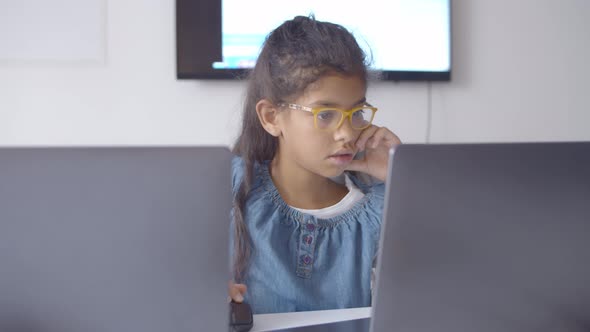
point(361, 142)
point(236, 295)
point(236, 292)
point(242, 288)
point(377, 138)
point(392, 138)
point(384, 136)
point(357, 166)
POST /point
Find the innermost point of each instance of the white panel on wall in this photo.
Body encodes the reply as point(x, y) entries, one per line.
point(56, 30)
point(520, 73)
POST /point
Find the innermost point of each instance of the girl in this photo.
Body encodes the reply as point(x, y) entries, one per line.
point(302, 240)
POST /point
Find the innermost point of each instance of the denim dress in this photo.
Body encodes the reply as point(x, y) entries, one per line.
point(300, 262)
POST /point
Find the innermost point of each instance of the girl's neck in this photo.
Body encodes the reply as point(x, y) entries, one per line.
point(303, 189)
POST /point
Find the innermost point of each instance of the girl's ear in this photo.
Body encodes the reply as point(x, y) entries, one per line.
point(268, 116)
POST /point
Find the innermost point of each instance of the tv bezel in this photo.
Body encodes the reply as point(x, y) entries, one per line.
point(198, 23)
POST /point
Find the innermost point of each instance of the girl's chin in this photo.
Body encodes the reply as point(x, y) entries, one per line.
point(334, 172)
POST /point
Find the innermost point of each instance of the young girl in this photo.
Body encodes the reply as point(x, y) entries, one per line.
point(302, 240)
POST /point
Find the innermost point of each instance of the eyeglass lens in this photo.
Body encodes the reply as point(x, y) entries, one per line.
point(328, 119)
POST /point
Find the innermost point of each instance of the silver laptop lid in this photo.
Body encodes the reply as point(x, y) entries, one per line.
point(114, 239)
point(486, 237)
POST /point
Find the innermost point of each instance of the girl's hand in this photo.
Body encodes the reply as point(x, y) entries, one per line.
point(375, 142)
point(236, 292)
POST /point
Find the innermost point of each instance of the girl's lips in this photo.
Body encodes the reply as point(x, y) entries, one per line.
point(341, 159)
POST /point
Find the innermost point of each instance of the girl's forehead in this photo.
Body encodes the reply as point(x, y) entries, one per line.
point(334, 89)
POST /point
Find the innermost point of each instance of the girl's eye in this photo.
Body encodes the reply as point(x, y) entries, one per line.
point(327, 115)
point(359, 114)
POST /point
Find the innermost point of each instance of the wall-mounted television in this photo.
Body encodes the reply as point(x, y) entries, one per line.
point(407, 39)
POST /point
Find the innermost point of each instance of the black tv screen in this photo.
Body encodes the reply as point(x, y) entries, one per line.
point(406, 39)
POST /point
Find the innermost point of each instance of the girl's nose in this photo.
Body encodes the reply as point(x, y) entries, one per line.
point(345, 132)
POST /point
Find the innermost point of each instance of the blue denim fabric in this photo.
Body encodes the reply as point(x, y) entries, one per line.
point(302, 263)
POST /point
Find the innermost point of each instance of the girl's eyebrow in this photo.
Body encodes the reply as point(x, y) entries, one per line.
point(332, 104)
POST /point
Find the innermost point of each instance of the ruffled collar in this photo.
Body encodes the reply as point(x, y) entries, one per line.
point(271, 191)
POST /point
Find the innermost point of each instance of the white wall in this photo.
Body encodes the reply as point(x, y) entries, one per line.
point(519, 75)
point(521, 72)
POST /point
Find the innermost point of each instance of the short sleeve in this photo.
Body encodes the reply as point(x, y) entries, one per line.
point(237, 169)
point(378, 202)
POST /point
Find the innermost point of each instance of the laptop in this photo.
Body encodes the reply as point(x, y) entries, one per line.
point(114, 239)
point(352, 325)
point(486, 237)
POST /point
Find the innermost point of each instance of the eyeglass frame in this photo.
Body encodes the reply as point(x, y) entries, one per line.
point(345, 113)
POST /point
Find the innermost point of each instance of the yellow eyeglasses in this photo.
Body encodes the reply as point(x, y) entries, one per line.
point(326, 118)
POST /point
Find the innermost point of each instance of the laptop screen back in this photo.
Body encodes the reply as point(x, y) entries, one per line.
point(486, 237)
point(114, 239)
